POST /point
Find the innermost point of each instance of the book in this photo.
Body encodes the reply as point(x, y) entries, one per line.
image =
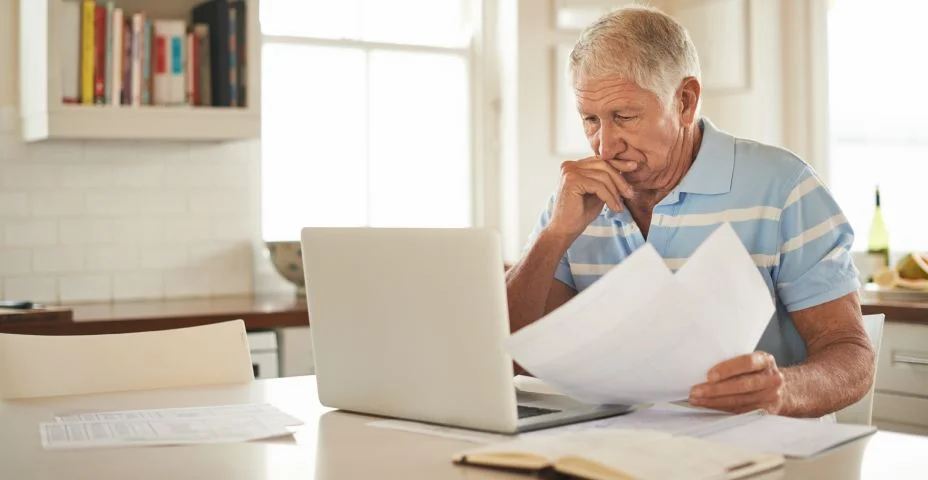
point(216, 15)
point(69, 29)
point(99, 62)
point(240, 50)
point(170, 87)
point(621, 454)
point(116, 57)
point(88, 54)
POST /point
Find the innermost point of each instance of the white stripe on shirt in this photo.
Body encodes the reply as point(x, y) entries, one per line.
point(610, 231)
point(813, 233)
point(803, 188)
point(731, 215)
point(760, 260)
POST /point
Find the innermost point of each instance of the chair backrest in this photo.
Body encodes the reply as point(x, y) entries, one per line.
point(34, 366)
point(861, 412)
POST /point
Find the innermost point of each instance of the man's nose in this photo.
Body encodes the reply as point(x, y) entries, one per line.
point(611, 143)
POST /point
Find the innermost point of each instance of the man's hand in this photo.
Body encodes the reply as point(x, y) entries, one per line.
point(744, 383)
point(587, 185)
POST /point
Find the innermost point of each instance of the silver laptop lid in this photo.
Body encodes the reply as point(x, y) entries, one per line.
point(409, 323)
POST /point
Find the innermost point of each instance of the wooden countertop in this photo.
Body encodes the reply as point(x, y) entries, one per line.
point(902, 312)
point(259, 312)
point(267, 312)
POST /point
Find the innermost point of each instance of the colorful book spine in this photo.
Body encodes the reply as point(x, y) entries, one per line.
point(137, 38)
point(117, 48)
point(99, 48)
point(201, 30)
point(233, 59)
point(108, 57)
point(147, 63)
point(241, 50)
point(88, 16)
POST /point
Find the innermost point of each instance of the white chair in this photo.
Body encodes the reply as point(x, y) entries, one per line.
point(34, 366)
point(861, 412)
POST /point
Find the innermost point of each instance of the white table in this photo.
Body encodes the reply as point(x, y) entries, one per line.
point(332, 445)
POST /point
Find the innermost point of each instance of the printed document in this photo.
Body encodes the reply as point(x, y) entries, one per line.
point(642, 334)
point(173, 426)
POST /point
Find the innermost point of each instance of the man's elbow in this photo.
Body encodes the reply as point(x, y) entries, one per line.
point(865, 371)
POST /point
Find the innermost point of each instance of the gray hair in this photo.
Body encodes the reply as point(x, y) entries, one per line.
point(637, 43)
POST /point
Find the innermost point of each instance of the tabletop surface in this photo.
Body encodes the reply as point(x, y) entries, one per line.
point(332, 445)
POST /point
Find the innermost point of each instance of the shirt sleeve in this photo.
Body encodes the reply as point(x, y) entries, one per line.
point(815, 264)
point(562, 273)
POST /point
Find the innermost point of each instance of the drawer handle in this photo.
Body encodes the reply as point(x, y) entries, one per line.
point(910, 358)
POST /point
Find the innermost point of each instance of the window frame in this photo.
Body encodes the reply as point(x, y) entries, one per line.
point(473, 53)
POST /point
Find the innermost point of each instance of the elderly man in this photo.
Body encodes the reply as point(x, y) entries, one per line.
point(661, 173)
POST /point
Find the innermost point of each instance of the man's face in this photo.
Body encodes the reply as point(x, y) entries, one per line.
point(623, 121)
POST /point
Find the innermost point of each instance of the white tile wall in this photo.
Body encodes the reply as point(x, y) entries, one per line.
point(97, 221)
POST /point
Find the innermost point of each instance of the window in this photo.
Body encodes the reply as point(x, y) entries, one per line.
point(366, 114)
point(879, 132)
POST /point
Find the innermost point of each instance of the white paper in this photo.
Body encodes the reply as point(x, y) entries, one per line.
point(265, 411)
point(793, 437)
point(643, 335)
point(173, 426)
point(663, 418)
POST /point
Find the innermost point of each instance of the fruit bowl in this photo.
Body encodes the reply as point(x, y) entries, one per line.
point(287, 259)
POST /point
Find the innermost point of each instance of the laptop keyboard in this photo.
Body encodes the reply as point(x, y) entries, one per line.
point(525, 411)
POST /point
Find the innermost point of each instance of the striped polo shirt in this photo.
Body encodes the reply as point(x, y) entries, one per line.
point(787, 219)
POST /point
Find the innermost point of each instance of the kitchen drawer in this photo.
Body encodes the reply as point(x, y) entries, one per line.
point(903, 362)
point(896, 408)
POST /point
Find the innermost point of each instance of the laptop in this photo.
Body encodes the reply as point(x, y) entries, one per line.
point(409, 323)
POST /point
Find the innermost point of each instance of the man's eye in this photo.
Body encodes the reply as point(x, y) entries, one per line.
point(589, 119)
point(622, 118)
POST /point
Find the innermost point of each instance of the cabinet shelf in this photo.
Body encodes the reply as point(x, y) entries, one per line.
point(76, 122)
point(45, 116)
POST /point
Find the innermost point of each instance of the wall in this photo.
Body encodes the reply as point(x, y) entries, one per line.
point(754, 112)
point(95, 221)
point(785, 100)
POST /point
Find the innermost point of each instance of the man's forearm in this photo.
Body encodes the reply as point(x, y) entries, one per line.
point(829, 380)
point(529, 282)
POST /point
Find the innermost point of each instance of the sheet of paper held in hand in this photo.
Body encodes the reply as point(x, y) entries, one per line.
point(642, 334)
point(171, 426)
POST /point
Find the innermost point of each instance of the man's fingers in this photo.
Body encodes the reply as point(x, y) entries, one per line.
point(738, 385)
point(752, 362)
point(594, 187)
point(603, 177)
point(621, 185)
point(740, 403)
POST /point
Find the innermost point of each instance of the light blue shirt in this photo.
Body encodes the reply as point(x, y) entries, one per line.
point(787, 219)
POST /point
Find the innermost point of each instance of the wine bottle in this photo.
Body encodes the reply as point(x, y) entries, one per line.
point(878, 246)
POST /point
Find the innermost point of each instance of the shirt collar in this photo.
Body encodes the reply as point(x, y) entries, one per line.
point(711, 172)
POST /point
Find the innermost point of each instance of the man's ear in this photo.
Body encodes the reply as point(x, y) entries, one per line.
point(690, 89)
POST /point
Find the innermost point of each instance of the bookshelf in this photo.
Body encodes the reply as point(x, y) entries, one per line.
point(45, 116)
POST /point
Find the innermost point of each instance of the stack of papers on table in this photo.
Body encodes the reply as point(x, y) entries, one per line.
point(642, 334)
point(172, 426)
point(756, 431)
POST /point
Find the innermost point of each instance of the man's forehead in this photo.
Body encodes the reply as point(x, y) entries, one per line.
point(611, 91)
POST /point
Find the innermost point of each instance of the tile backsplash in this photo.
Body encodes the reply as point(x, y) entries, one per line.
point(95, 221)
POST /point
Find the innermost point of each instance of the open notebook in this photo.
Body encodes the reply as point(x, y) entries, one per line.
point(617, 454)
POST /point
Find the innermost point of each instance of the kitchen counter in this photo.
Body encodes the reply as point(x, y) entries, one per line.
point(269, 312)
point(258, 313)
point(901, 312)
